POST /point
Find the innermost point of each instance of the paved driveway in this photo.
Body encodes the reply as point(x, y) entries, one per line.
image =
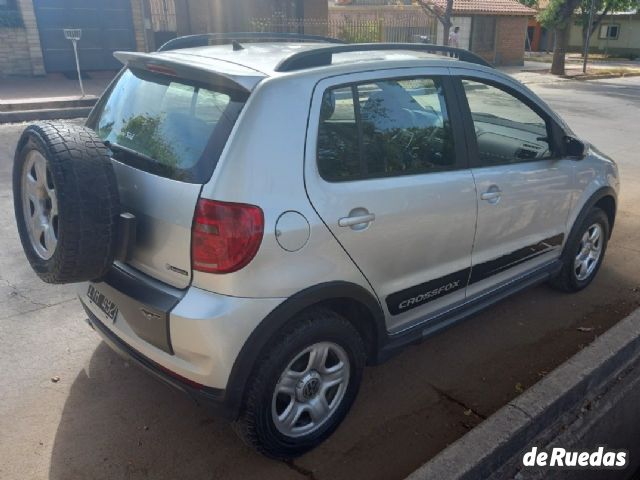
point(104, 419)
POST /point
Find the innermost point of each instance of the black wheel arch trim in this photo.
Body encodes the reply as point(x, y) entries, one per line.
point(280, 316)
point(598, 195)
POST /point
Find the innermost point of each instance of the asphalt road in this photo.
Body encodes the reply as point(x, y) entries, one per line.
point(105, 419)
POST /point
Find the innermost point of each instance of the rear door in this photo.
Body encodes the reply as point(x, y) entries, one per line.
point(524, 188)
point(387, 173)
point(166, 135)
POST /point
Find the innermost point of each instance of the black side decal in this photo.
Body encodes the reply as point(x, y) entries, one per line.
point(415, 296)
point(500, 264)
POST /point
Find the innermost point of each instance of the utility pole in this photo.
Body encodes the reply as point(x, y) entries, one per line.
point(585, 54)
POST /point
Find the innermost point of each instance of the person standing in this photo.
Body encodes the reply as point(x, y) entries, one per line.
point(454, 37)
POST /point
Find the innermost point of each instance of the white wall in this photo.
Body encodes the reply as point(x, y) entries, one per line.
point(465, 31)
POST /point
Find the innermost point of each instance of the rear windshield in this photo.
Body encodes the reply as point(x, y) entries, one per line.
point(172, 128)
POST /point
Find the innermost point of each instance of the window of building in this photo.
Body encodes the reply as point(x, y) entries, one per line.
point(396, 127)
point(611, 32)
point(507, 129)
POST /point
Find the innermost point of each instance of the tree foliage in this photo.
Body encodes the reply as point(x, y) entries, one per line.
point(558, 13)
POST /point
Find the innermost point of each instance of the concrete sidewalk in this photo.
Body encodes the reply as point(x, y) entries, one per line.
point(54, 85)
point(589, 401)
point(53, 96)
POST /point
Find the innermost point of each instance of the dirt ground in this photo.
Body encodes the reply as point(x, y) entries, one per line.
point(105, 419)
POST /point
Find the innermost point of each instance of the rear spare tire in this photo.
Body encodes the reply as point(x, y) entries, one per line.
point(66, 202)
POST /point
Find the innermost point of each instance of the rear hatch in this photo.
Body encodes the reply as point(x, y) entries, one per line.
point(166, 125)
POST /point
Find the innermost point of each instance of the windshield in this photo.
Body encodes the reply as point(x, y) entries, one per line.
point(172, 128)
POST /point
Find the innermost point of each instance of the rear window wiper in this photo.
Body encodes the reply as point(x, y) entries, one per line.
point(116, 148)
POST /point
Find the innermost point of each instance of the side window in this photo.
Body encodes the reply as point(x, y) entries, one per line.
point(396, 127)
point(338, 141)
point(507, 129)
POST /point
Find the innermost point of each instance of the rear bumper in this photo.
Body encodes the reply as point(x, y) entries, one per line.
point(204, 331)
point(210, 398)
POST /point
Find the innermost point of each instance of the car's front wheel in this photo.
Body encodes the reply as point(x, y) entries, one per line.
point(304, 385)
point(584, 252)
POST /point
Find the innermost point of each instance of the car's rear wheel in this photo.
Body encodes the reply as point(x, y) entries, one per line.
point(584, 252)
point(304, 386)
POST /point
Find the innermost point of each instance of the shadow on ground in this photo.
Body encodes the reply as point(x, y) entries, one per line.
point(118, 422)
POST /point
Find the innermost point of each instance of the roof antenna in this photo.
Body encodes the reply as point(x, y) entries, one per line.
point(236, 45)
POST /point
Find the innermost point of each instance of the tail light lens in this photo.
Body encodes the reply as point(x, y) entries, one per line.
point(225, 236)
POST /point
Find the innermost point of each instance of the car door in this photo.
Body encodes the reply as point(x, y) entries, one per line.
point(524, 188)
point(386, 173)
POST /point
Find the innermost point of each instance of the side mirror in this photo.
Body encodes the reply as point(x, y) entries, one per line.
point(574, 148)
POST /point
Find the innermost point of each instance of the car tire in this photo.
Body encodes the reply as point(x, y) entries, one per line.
point(288, 380)
point(584, 252)
point(66, 202)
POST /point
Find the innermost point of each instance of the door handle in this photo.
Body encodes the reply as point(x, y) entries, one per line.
point(492, 195)
point(357, 220)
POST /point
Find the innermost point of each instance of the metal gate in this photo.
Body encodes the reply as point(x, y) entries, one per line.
point(163, 21)
point(106, 27)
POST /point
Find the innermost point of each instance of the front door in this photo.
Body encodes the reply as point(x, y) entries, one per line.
point(524, 190)
point(387, 177)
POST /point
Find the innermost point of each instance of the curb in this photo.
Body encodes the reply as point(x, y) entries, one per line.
point(603, 76)
point(26, 110)
point(47, 103)
point(46, 114)
point(562, 397)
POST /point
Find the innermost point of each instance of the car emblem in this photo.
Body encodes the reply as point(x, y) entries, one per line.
point(150, 316)
point(311, 388)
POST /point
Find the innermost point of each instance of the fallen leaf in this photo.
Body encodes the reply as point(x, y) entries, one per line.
point(519, 387)
point(467, 412)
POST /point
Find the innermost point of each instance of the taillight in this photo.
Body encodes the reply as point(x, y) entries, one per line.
point(225, 236)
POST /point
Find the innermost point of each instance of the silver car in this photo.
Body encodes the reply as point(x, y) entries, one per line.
point(294, 210)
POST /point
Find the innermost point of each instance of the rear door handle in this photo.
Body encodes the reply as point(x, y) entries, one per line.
point(490, 195)
point(357, 221)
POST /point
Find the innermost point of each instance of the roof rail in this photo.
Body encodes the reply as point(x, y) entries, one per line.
point(323, 55)
point(205, 39)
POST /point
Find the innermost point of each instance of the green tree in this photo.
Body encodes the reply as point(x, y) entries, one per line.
point(557, 17)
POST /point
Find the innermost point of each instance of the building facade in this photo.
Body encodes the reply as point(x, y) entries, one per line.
point(32, 39)
point(617, 35)
point(494, 29)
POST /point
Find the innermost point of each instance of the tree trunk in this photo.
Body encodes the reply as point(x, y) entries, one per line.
point(447, 22)
point(560, 50)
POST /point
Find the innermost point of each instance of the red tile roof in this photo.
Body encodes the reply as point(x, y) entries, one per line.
point(485, 7)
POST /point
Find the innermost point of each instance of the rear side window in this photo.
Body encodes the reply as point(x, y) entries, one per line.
point(384, 128)
point(168, 127)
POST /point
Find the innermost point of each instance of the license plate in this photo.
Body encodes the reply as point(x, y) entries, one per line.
point(107, 306)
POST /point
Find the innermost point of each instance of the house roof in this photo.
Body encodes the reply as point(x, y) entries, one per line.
point(486, 7)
